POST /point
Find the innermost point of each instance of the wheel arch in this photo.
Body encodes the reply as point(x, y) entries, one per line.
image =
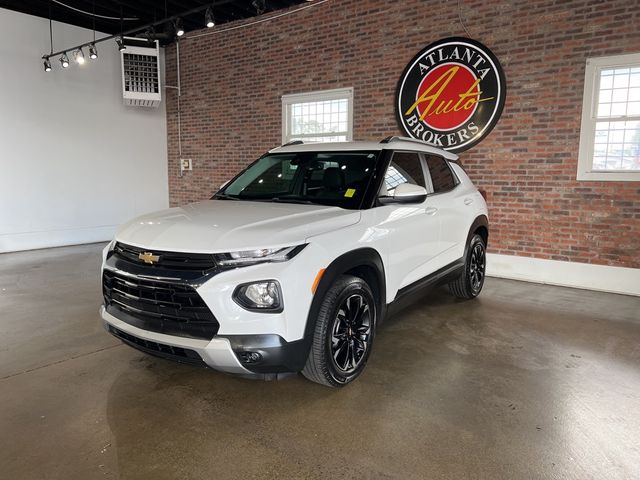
point(365, 263)
point(479, 226)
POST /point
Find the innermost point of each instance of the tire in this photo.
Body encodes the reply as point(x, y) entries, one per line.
point(469, 284)
point(344, 333)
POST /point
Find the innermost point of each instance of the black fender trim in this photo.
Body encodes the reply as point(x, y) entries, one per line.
point(361, 257)
point(368, 258)
point(279, 356)
point(480, 221)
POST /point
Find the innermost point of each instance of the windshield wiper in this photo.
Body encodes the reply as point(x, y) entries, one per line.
point(223, 196)
point(292, 200)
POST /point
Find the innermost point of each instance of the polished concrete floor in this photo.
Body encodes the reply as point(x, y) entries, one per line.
point(526, 382)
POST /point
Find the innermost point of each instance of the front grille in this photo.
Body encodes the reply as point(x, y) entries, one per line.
point(178, 354)
point(200, 262)
point(169, 308)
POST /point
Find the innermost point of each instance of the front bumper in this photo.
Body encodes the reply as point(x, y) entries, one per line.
point(276, 356)
point(215, 353)
point(246, 342)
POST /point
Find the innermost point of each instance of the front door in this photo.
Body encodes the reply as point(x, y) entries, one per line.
point(412, 230)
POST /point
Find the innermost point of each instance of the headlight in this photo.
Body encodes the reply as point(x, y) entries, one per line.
point(263, 255)
point(264, 295)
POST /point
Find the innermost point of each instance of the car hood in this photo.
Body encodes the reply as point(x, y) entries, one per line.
point(227, 225)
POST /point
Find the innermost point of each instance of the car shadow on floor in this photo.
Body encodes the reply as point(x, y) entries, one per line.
point(162, 413)
point(444, 376)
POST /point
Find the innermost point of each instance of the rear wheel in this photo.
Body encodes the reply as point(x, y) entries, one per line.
point(344, 333)
point(470, 282)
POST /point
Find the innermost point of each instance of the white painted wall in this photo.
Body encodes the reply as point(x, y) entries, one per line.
point(74, 161)
point(603, 278)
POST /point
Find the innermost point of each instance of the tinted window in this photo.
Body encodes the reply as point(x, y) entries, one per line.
point(441, 175)
point(404, 168)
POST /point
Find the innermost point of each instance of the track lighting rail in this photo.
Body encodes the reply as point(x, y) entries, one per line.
point(172, 19)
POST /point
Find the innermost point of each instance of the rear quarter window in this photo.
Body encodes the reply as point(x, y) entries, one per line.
point(441, 175)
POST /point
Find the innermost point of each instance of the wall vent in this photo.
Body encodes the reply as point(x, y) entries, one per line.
point(141, 73)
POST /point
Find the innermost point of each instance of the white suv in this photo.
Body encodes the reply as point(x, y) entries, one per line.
point(294, 263)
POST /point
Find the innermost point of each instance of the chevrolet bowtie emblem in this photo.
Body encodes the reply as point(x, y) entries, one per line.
point(148, 257)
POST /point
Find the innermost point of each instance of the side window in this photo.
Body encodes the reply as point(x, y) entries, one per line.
point(405, 167)
point(441, 176)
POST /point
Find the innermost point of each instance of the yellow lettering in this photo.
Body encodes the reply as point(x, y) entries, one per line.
point(466, 101)
point(426, 96)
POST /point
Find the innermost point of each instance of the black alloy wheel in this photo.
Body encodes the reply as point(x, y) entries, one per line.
point(476, 267)
point(351, 333)
point(471, 280)
point(343, 334)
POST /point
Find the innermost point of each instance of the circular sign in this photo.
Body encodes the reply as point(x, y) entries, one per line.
point(451, 94)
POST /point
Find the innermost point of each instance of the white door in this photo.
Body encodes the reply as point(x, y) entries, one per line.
point(412, 230)
point(449, 198)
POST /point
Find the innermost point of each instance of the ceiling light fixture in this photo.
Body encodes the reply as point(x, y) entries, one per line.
point(47, 62)
point(169, 23)
point(178, 27)
point(208, 17)
point(78, 55)
point(150, 33)
point(260, 6)
point(120, 43)
point(120, 39)
point(93, 53)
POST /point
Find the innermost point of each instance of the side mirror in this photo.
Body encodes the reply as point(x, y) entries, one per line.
point(406, 193)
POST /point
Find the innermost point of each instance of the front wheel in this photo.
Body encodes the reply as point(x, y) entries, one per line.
point(469, 283)
point(344, 333)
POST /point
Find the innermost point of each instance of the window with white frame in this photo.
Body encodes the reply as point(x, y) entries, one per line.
point(610, 130)
point(325, 116)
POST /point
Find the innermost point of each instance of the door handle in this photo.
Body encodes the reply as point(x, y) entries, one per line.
point(468, 201)
point(430, 210)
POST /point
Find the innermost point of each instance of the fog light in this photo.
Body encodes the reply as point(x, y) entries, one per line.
point(249, 357)
point(263, 296)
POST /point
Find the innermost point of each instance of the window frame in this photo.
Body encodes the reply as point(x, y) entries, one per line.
point(423, 167)
point(456, 180)
point(316, 96)
point(588, 123)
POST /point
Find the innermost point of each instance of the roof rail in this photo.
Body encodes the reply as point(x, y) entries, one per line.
point(395, 138)
point(293, 142)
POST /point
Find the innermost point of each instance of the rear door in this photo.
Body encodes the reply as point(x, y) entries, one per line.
point(450, 199)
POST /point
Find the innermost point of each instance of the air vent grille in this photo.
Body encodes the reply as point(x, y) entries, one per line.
point(141, 73)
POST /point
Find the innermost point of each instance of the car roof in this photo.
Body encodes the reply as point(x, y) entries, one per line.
point(391, 143)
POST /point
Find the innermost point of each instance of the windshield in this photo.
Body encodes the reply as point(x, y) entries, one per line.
point(325, 178)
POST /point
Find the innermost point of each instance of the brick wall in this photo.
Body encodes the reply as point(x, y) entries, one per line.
point(231, 109)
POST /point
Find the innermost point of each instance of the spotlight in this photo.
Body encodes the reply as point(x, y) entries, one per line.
point(47, 64)
point(150, 33)
point(208, 17)
point(179, 27)
point(93, 52)
point(64, 60)
point(121, 45)
point(260, 6)
point(78, 55)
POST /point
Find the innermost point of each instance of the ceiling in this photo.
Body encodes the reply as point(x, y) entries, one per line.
point(144, 11)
